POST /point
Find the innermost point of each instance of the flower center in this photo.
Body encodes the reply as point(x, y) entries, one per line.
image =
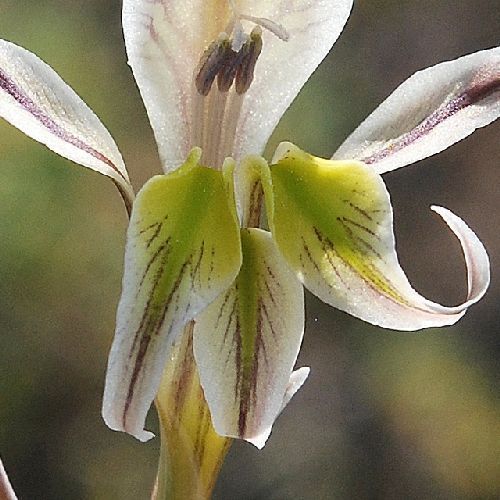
point(224, 74)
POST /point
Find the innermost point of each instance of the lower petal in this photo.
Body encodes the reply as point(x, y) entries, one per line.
point(247, 341)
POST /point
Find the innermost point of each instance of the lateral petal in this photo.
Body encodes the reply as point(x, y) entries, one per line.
point(183, 250)
point(246, 343)
point(341, 242)
point(36, 100)
point(165, 41)
point(428, 113)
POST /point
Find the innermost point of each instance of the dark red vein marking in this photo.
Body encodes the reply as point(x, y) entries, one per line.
point(145, 335)
point(371, 277)
point(196, 269)
point(346, 220)
point(154, 235)
point(356, 239)
point(248, 385)
point(468, 97)
point(186, 373)
point(274, 334)
point(309, 254)
point(164, 246)
point(364, 213)
point(328, 248)
point(30, 106)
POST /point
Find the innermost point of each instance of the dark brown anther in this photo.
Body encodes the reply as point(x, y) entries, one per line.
point(227, 73)
point(250, 53)
point(211, 63)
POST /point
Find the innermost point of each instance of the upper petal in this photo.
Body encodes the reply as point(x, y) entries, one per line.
point(183, 250)
point(341, 242)
point(284, 67)
point(429, 112)
point(36, 100)
point(165, 41)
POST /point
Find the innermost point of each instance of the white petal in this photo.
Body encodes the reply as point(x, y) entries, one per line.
point(429, 112)
point(246, 343)
point(183, 250)
point(6, 490)
point(284, 67)
point(341, 243)
point(165, 41)
point(36, 100)
point(297, 379)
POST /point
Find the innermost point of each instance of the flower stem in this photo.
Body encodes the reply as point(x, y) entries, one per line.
point(191, 452)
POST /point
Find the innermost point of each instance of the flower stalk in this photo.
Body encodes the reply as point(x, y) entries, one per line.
point(191, 453)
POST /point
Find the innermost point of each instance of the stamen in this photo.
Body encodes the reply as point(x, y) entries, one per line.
point(231, 59)
point(251, 52)
point(210, 64)
point(228, 70)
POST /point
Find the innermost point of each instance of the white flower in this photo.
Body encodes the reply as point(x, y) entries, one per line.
point(216, 77)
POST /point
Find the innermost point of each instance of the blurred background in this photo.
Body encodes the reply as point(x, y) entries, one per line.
point(384, 415)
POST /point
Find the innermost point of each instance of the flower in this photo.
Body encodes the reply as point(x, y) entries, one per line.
point(216, 77)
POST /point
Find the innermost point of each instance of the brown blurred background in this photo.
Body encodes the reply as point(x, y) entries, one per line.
point(384, 415)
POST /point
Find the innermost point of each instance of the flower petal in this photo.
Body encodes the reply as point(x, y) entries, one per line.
point(6, 490)
point(284, 67)
point(247, 341)
point(429, 112)
point(341, 242)
point(36, 100)
point(165, 41)
point(183, 250)
point(297, 379)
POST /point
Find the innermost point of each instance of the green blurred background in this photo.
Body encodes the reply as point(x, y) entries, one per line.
point(384, 415)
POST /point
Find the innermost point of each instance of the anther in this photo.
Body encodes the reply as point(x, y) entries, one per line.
point(211, 62)
point(250, 53)
point(227, 72)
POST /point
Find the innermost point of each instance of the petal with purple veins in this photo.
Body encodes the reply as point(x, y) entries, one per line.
point(428, 113)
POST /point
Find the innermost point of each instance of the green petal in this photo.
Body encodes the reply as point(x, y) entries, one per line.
point(246, 343)
point(183, 250)
point(332, 221)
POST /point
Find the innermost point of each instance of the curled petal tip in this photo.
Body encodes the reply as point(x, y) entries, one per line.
point(283, 149)
point(142, 436)
point(476, 257)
